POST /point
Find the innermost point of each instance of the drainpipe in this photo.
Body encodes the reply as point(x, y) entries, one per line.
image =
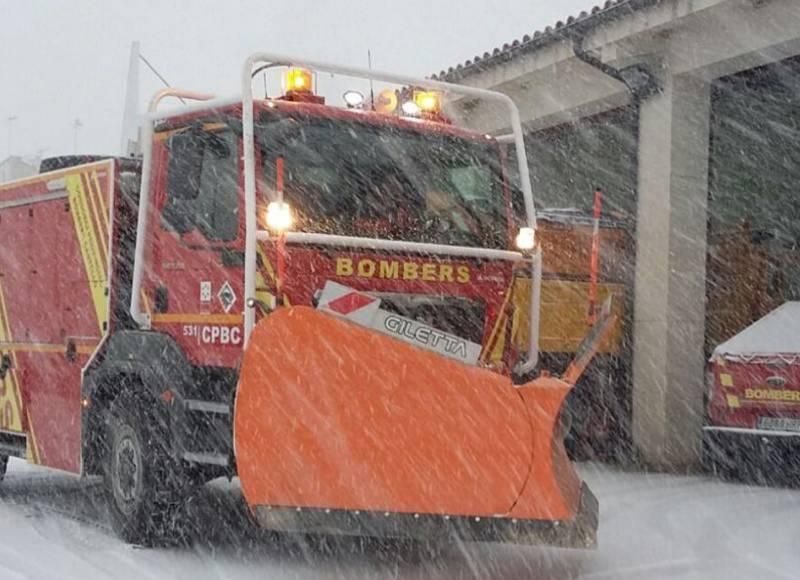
point(639, 81)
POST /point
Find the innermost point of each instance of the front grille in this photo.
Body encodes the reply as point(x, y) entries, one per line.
point(461, 317)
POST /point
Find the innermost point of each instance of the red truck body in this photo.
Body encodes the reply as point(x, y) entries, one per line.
point(57, 260)
point(754, 396)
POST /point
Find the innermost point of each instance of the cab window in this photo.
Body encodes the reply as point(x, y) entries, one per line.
point(203, 184)
point(358, 179)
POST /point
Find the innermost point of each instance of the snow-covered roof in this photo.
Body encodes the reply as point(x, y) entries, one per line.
point(778, 333)
point(611, 10)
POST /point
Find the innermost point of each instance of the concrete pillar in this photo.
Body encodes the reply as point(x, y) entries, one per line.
point(669, 327)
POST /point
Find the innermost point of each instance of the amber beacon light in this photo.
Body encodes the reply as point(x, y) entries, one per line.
point(298, 80)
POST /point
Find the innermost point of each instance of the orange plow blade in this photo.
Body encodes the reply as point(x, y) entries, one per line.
point(340, 429)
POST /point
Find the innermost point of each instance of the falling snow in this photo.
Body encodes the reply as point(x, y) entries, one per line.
point(364, 324)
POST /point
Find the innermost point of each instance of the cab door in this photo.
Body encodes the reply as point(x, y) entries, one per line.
point(196, 274)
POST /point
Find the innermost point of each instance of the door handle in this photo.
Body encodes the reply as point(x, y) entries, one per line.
point(161, 300)
point(71, 352)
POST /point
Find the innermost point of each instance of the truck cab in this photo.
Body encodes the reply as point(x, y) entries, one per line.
point(367, 195)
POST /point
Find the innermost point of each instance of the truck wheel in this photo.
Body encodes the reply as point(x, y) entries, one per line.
point(3, 466)
point(142, 503)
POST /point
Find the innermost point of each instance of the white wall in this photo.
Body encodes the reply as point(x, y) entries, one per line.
point(16, 168)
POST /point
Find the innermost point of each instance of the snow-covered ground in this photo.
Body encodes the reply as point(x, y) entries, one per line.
point(652, 526)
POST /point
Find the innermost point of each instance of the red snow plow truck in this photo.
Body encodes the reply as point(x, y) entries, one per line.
point(315, 299)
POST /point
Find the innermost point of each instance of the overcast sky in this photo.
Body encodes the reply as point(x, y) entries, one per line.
point(66, 60)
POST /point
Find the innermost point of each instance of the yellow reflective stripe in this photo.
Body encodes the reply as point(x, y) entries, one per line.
point(91, 197)
point(32, 450)
point(146, 302)
point(10, 393)
point(733, 402)
point(267, 263)
point(270, 272)
point(45, 347)
point(502, 321)
point(101, 198)
point(22, 347)
point(263, 294)
point(726, 380)
point(198, 318)
point(90, 249)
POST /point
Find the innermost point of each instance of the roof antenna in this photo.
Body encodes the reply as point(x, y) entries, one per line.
point(371, 88)
point(158, 74)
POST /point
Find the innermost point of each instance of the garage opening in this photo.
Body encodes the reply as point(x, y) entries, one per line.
point(568, 163)
point(754, 206)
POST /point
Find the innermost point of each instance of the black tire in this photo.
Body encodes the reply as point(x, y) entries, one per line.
point(3, 466)
point(144, 496)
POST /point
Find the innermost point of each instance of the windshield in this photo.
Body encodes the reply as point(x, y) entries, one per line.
point(358, 179)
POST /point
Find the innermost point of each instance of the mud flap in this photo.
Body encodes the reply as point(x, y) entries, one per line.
point(361, 433)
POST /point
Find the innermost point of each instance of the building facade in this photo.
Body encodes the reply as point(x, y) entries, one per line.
point(14, 167)
point(685, 112)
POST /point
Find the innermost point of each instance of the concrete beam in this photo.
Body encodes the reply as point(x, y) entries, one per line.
point(736, 37)
point(522, 65)
point(561, 93)
point(654, 20)
point(669, 311)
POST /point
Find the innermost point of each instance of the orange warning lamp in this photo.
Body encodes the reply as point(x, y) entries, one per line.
point(298, 80)
point(386, 102)
point(428, 101)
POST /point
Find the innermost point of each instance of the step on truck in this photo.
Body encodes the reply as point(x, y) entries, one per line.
point(313, 298)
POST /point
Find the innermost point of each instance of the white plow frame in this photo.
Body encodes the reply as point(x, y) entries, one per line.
point(252, 234)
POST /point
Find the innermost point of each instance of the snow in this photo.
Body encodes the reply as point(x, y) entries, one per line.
point(777, 333)
point(652, 526)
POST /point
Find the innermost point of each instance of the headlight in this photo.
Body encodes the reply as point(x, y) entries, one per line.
point(526, 239)
point(279, 216)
